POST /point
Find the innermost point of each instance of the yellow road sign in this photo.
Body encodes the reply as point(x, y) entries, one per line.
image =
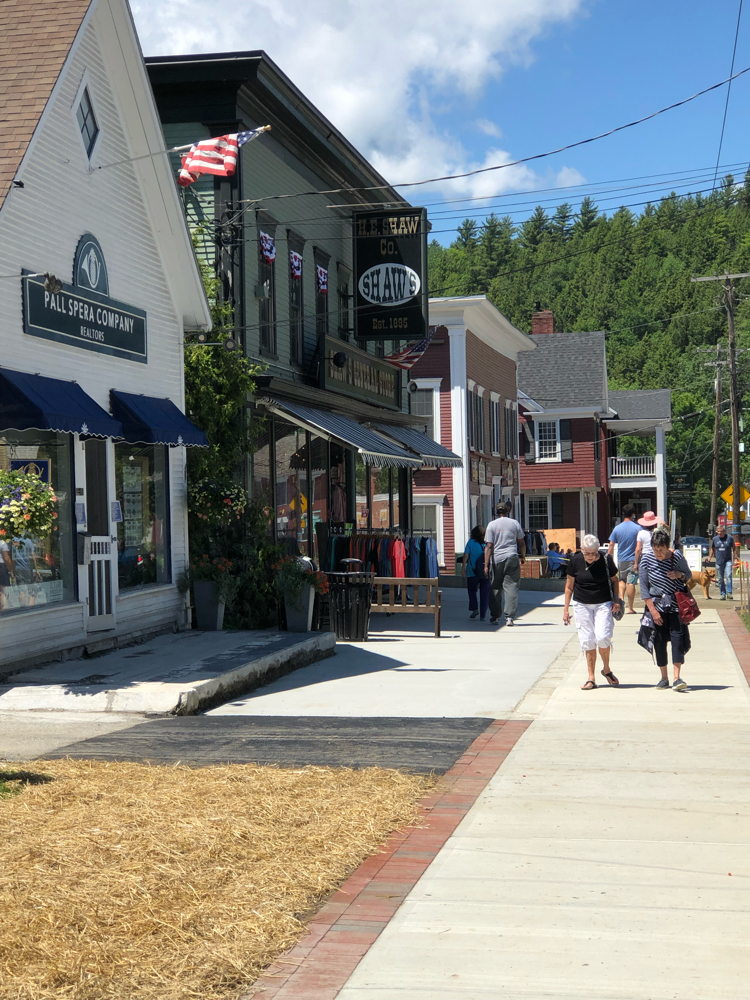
point(728, 495)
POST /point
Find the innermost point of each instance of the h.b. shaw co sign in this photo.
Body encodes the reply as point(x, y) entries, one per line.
point(390, 260)
point(83, 314)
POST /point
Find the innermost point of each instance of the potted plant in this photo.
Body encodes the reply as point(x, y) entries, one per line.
point(299, 583)
point(27, 506)
point(213, 588)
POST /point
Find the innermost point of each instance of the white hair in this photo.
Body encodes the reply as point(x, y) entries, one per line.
point(590, 542)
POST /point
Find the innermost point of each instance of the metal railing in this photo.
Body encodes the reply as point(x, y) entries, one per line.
point(632, 468)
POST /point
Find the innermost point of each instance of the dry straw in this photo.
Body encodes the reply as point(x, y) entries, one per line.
point(130, 881)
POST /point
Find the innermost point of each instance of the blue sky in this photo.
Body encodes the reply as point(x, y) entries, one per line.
point(427, 87)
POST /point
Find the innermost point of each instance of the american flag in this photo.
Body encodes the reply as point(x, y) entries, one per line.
point(406, 357)
point(214, 156)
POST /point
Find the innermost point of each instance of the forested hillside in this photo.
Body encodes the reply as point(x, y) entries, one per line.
point(628, 275)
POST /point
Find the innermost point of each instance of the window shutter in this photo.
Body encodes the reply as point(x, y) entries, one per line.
point(557, 510)
point(529, 445)
point(566, 441)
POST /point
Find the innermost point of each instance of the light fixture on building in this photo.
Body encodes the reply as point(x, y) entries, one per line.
point(339, 359)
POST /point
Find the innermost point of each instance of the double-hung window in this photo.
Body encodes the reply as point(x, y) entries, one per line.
point(511, 430)
point(422, 404)
point(495, 436)
point(321, 296)
point(265, 291)
point(538, 513)
point(296, 300)
point(547, 441)
point(344, 276)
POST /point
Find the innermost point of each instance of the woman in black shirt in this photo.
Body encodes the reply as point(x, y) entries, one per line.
point(591, 584)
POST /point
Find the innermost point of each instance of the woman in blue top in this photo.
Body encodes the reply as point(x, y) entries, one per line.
point(476, 578)
point(662, 572)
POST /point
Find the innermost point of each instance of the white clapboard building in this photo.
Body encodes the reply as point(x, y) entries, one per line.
point(91, 337)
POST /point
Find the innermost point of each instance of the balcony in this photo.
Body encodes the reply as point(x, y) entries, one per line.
point(638, 467)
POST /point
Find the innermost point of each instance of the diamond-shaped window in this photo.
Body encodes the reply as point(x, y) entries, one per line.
point(87, 122)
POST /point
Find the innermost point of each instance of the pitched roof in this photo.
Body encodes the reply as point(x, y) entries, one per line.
point(641, 404)
point(566, 370)
point(37, 36)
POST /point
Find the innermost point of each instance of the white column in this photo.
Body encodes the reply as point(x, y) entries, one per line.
point(459, 436)
point(660, 468)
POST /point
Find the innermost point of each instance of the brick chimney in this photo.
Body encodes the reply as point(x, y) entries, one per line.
point(542, 321)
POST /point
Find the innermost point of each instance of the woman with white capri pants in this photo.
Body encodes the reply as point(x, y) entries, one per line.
point(591, 584)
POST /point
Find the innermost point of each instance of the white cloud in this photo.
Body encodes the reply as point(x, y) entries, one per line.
point(488, 127)
point(378, 71)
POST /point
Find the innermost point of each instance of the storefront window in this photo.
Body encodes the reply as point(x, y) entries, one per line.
point(319, 494)
point(292, 495)
point(338, 484)
point(363, 510)
point(142, 489)
point(380, 493)
point(39, 571)
point(261, 481)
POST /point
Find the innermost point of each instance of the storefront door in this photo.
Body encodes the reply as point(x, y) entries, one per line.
point(100, 597)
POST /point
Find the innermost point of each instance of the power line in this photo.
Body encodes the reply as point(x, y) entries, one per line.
point(729, 90)
point(511, 163)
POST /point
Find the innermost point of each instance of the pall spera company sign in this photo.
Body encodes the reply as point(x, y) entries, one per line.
point(83, 314)
point(390, 274)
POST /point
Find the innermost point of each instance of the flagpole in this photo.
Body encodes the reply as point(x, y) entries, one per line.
point(165, 152)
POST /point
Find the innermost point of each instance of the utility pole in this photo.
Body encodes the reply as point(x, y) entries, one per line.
point(717, 428)
point(733, 395)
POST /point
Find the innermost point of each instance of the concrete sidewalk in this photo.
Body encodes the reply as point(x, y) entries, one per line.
point(608, 859)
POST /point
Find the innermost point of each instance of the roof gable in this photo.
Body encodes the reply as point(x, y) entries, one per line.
point(37, 37)
point(567, 370)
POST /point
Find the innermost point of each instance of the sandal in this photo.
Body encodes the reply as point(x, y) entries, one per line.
point(588, 686)
point(611, 679)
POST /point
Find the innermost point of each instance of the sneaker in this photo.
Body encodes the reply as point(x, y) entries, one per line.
point(474, 614)
point(663, 683)
point(493, 621)
point(509, 621)
point(723, 597)
point(679, 685)
point(729, 597)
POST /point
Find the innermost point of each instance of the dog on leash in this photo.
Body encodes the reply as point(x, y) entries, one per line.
point(705, 578)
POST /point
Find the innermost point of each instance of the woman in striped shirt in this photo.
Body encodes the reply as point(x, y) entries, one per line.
point(663, 571)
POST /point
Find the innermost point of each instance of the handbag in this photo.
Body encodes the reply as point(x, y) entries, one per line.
point(618, 606)
point(687, 606)
point(646, 633)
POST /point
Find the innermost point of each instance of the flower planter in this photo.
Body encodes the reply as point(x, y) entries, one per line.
point(209, 607)
point(299, 613)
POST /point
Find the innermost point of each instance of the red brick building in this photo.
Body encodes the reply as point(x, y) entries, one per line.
point(571, 422)
point(465, 388)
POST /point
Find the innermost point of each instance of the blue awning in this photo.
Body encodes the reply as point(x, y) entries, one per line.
point(150, 420)
point(37, 402)
point(431, 452)
point(374, 449)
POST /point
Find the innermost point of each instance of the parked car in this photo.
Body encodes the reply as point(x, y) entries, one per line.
point(704, 543)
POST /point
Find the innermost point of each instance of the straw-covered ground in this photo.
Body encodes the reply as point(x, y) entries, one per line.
point(136, 882)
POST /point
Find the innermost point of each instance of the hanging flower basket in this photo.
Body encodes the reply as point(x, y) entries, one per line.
point(27, 506)
point(215, 502)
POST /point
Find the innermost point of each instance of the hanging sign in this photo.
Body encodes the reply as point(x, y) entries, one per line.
point(83, 314)
point(390, 274)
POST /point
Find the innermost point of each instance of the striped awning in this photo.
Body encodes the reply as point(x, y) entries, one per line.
point(373, 447)
point(431, 452)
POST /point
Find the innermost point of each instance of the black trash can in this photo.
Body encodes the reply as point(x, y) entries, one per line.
point(350, 597)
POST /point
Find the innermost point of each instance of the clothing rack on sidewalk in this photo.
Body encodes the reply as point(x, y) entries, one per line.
point(385, 552)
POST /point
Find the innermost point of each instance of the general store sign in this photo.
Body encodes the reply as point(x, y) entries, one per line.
point(83, 314)
point(390, 274)
point(361, 375)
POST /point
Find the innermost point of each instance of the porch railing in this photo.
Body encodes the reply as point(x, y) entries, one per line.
point(632, 468)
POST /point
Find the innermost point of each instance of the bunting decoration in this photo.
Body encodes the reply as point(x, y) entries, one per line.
point(322, 276)
point(406, 357)
point(267, 247)
point(295, 264)
point(215, 156)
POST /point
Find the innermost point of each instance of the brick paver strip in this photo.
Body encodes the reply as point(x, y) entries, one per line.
point(739, 638)
point(343, 930)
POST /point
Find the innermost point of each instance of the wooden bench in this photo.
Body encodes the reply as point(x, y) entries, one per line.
point(392, 604)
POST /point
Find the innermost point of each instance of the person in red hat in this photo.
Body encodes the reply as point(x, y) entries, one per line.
point(648, 523)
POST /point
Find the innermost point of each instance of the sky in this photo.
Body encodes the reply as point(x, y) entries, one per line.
point(429, 87)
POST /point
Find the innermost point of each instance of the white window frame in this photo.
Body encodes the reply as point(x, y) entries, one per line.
point(434, 384)
point(548, 504)
point(558, 450)
point(85, 84)
point(430, 500)
point(496, 440)
point(479, 418)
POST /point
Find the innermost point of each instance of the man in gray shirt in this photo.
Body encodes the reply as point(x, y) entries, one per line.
point(505, 549)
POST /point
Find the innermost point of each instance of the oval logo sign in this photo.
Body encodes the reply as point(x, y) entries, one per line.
point(89, 268)
point(389, 284)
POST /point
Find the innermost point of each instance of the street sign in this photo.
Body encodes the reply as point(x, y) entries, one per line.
point(728, 495)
